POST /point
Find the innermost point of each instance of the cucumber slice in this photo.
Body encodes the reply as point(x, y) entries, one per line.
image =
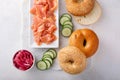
point(64, 19)
point(54, 52)
point(68, 22)
point(49, 59)
point(48, 63)
point(47, 56)
point(66, 32)
point(49, 53)
point(68, 26)
point(67, 15)
point(41, 65)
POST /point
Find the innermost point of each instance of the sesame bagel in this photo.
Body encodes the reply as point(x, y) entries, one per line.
point(72, 60)
point(92, 17)
point(86, 40)
point(79, 7)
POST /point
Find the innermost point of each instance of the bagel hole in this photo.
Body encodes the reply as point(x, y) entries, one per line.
point(75, 36)
point(71, 61)
point(84, 42)
point(84, 16)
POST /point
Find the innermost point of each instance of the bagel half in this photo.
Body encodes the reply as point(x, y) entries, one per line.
point(86, 40)
point(79, 7)
point(72, 60)
point(90, 18)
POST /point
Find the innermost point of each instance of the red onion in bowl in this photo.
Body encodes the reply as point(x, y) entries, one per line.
point(23, 60)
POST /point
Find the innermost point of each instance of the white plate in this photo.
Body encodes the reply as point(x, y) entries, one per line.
point(54, 44)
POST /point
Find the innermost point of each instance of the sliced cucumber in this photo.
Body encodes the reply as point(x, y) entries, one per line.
point(64, 19)
point(46, 56)
point(48, 63)
point(66, 32)
point(54, 52)
point(49, 53)
point(49, 59)
point(68, 22)
point(68, 26)
point(41, 65)
point(67, 15)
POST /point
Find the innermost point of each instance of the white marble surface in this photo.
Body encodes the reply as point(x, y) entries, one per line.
point(105, 64)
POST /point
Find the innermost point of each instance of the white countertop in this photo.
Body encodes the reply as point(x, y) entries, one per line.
point(105, 64)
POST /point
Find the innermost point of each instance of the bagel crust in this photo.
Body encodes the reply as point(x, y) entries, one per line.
point(86, 40)
point(79, 7)
point(72, 60)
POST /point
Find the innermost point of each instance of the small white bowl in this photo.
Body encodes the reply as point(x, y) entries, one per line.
point(28, 68)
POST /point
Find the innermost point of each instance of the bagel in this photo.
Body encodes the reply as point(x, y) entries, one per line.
point(90, 18)
point(79, 7)
point(72, 60)
point(86, 40)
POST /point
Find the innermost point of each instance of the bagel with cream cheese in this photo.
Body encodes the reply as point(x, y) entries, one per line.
point(90, 18)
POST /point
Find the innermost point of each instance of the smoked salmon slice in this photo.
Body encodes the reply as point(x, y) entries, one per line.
point(44, 21)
